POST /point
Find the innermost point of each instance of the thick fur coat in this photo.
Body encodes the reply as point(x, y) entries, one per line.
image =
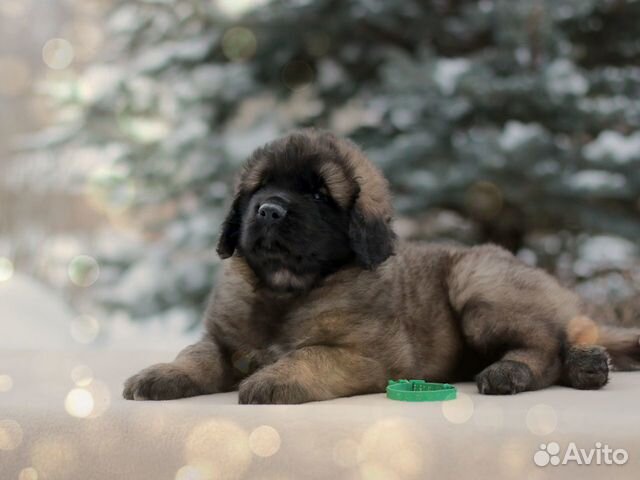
point(317, 299)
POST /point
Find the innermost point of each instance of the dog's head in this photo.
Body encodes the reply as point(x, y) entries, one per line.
point(305, 206)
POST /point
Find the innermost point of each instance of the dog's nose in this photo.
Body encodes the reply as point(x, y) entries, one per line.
point(271, 212)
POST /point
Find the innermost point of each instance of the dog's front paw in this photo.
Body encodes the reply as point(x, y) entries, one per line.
point(505, 377)
point(268, 389)
point(163, 381)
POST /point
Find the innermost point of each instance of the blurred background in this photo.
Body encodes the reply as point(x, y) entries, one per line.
point(123, 122)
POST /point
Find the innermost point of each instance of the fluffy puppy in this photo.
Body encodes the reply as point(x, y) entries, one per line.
point(317, 299)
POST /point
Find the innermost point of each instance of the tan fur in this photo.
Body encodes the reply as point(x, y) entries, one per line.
point(374, 199)
point(340, 188)
point(429, 311)
point(582, 330)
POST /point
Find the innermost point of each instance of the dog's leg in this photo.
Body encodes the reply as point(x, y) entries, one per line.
point(531, 350)
point(520, 370)
point(197, 370)
point(513, 313)
point(314, 373)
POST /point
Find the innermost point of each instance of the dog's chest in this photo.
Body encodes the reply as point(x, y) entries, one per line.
point(289, 324)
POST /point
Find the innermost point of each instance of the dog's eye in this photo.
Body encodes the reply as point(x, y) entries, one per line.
point(320, 195)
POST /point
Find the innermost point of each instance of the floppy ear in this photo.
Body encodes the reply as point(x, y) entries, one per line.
point(230, 232)
point(370, 234)
point(372, 238)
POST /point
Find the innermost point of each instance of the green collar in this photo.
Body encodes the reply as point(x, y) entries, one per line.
point(420, 391)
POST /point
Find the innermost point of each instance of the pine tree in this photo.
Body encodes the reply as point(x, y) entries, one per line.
point(513, 121)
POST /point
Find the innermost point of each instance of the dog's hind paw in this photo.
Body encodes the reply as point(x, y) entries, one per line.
point(586, 367)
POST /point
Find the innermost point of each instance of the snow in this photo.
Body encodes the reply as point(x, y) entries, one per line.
point(421, 180)
point(563, 78)
point(596, 180)
point(240, 144)
point(523, 55)
point(98, 83)
point(330, 74)
point(164, 54)
point(528, 256)
point(236, 8)
point(448, 71)
point(516, 134)
point(605, 288)
point(125, 19)
point(604, 105)
point(191, 131)
point(613, 146)
point(604, 252)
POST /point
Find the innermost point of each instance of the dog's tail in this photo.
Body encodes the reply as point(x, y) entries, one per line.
point(622, 344)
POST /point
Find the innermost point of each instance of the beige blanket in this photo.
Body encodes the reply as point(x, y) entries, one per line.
point(62, 417)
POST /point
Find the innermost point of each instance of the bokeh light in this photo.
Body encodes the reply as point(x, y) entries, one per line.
point(110, 190)
point(374, 471)
point(87, 38)
point(239, 44)
point(230, 443)
point(542, 419)
point(28, 473)
point(84, 329)
point(81, 375)
point(459, 410)
point(6, 269)
point(6, 383)
point(264, 441)
point(390, 449)
point(79, 403)
point(484, 200)
point(16, 76)
point(54, 456)
point(515, 456)
point(84, 270)
point(57, 53)
point(192, 472)
point(10, 434)
point(297, 75)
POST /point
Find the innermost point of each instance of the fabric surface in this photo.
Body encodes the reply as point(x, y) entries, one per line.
point(62, 417)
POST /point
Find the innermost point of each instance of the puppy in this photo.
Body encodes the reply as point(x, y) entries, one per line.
point(317, 299)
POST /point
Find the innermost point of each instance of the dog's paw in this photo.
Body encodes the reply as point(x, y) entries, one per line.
point(163, 381)
point(586, 367)
point(269, 389)
point(505, 377)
